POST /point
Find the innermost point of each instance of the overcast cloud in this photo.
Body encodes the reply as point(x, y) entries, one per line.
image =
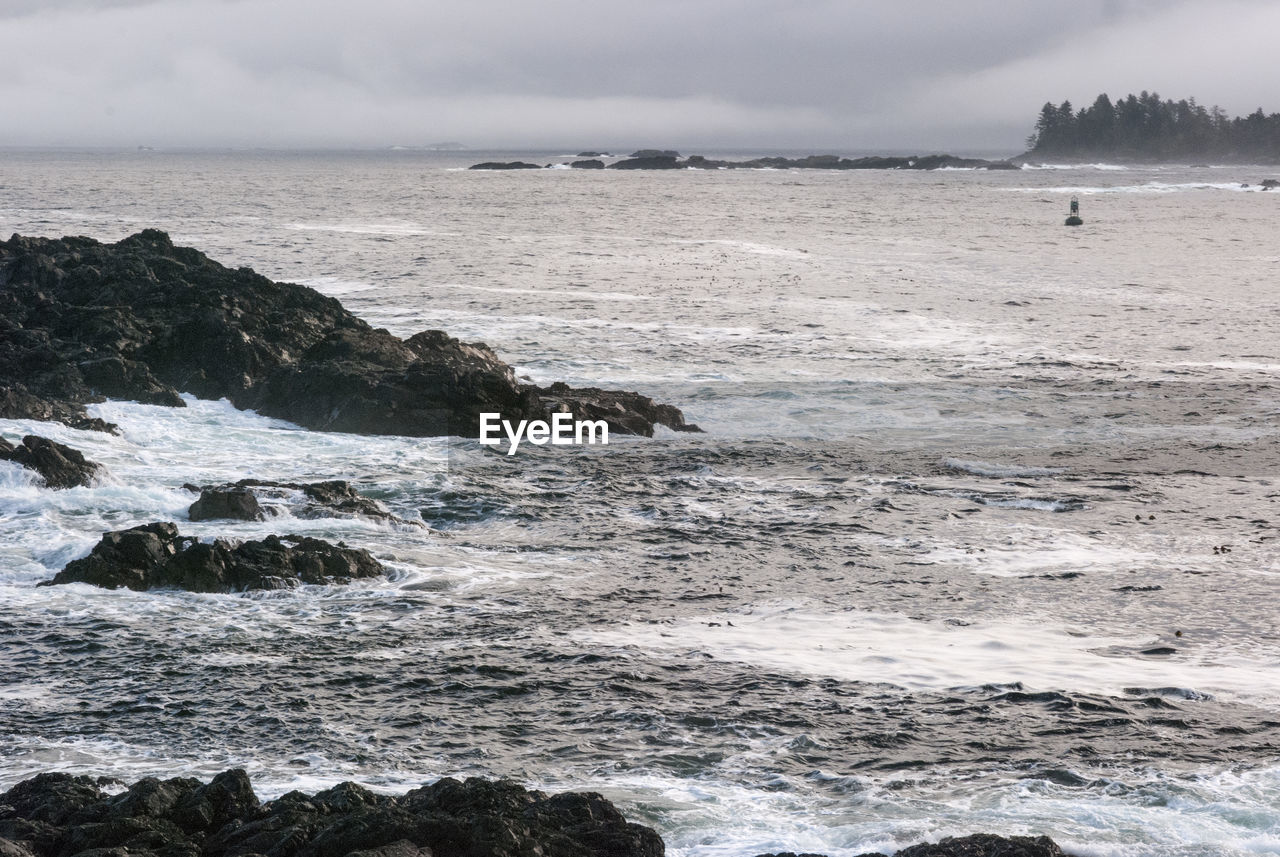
point(810, 74)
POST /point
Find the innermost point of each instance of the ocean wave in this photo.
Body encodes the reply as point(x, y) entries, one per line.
point(999, 471)
point(1148, 187)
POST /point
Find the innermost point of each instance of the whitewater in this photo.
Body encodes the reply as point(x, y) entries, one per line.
point(979, 537)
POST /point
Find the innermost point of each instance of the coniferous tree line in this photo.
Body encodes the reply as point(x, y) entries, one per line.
point(1144, 127)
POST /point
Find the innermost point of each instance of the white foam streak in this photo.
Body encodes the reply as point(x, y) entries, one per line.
point(1150, 814)
point(392, 228)
point(920, 655)
point(1153, 187)
point(1098, 166)
point(999, 471)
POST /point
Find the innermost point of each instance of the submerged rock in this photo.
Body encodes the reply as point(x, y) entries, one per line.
point(244, 501)
point(60, 465)
point(53, 815)
point(155, 556)
point(142, 319)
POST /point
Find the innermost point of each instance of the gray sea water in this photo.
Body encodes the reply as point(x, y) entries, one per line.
point(980, 536)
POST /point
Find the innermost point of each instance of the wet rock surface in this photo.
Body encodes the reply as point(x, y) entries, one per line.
point(143, 319)
point(58, 815)
point(228, 502)
point(156, 556)
point(505, 165)
point(258, 499)
point(59, 465)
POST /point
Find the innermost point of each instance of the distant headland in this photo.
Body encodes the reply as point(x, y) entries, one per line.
point(1137, 129)
point(1143, 128)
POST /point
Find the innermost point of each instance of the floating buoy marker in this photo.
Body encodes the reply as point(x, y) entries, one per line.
point(1073, 219)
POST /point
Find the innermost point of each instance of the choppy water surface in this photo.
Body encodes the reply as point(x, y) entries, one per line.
point(980, 536)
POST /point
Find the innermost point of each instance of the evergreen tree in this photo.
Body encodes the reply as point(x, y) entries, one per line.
point(1144, 126)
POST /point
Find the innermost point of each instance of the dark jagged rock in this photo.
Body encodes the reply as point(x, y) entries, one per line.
point(155, 556)
point(635, 413)
point(594, 155)
point(656, 162)
point(13, 849)
point(230, 501)
point(55, 815)
point(590, 164)
point(142, 319)
point(59, 465)
point(986, 845)
point(19, 403)
point(655, 153)
point(504, 165)
point(243, 501)
point(1270, 184)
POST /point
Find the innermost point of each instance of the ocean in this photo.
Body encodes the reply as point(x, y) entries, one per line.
point(980, 535)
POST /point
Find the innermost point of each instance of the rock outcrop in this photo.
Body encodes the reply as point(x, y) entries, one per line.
point(670, 161)
point(257, 499)
point(143, 319)
point(655, 162)
point(504, 165)
point(155, 556)
point(226, 502)
point(976, 845)
point(58, 815)
point(665, 159)
point(986, 845)
point(59, 465)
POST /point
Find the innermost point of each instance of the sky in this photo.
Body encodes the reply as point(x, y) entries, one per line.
point(699, 75)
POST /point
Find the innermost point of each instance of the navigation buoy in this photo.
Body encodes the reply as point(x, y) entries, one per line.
point(1074, 218)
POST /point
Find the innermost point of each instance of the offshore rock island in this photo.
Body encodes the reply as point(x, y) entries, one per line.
point(666, 159)
point(144, 320)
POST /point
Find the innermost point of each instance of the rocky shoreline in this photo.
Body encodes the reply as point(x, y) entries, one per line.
point(145, 320)
point(142, 319)
point(60, 815)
